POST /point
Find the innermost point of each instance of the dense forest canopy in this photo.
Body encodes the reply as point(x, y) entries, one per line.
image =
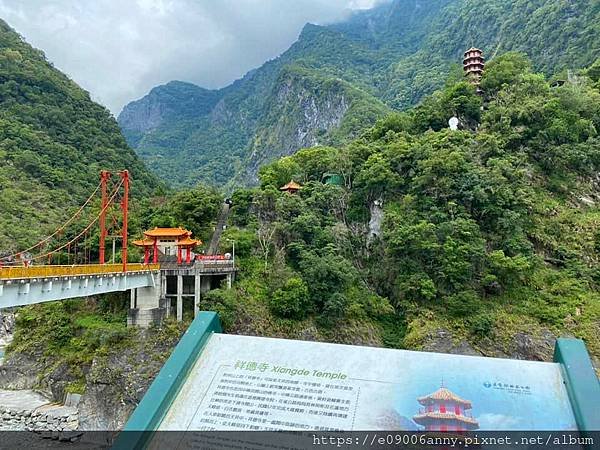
point(486, 236)
point(488, 231)
point(338, 79)
point(53, 143)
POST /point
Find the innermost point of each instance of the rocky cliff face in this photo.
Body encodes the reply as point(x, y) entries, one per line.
point(143, 115)
point(299, 115)
point(173, 101)
point(114, 383)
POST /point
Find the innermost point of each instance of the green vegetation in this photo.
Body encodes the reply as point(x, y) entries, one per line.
point(488, 231)
point(53, 143)
point(66, 337)
point(195, 210)
point(338, 79)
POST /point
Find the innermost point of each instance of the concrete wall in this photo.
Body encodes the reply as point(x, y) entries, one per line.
point(174, 286)
point(146, 297)
point(145, 317)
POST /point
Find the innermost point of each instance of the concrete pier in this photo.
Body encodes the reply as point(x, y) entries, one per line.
point(178, 291)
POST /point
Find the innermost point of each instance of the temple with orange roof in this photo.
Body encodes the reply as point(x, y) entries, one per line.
point(184, 276)
point(443, 410)
point(167, 242)
point(291, 188)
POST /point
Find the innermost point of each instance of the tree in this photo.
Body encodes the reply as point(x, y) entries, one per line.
point(279, 173)
point(291, 300)
point(195, 209)
point(325, 275)
point(265, 233)
point(503, 71)
point(376, 179)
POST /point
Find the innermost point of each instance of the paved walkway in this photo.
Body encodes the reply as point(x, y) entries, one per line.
point(21, 400)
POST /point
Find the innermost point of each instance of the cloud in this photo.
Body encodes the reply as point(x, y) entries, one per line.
point(491, 421)
point(118, 50)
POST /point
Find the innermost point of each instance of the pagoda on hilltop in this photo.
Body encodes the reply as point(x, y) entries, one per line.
point(473, 64)
point(443, 410)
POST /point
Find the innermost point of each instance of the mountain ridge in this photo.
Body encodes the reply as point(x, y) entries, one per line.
point(395, 53)
point(54, 140)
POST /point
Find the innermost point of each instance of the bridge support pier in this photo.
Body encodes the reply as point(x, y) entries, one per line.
point(196, 295)
point(179, 298)
point(177, 292)
point(146, 305)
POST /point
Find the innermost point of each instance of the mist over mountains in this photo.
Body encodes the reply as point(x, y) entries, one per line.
point(338, 79)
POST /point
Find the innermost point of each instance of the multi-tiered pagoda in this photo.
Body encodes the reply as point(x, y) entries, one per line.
point(445, 411)
point(474, 63)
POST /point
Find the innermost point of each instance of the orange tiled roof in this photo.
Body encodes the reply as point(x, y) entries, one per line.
point(143, 242)
point(168, 232)
point(189, 241)
point(444, 394)
point(292, 185)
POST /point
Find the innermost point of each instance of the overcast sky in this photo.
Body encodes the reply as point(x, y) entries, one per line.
point(119, 49)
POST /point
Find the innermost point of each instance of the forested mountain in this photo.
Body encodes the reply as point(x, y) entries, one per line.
point(483, 240)
point(336, 80)
point(53, 143)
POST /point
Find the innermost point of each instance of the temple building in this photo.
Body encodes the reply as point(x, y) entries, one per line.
point(473, 64)
point(167, 242)
point(184, 276)
point(445, 411)
point(291, 188)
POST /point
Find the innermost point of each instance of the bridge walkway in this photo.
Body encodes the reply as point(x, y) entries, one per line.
point(37, 284)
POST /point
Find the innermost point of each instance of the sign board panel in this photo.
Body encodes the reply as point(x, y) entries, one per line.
point(251, 383)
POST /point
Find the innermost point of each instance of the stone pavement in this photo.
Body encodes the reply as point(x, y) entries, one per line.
point(28, 410)
point(21, 400)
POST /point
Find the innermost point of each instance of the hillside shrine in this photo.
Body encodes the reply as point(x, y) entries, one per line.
point(291, 188)
point(183, 278)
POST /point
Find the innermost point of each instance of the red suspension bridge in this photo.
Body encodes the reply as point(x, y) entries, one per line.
point(38, 273)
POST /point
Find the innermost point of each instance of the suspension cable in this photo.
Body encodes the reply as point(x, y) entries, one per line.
point(109, 203)
point(61, 228)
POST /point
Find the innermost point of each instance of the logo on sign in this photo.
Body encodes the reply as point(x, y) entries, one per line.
point(512, 387)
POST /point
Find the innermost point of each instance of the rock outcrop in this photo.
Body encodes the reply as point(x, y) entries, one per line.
point(173, 100)
point(114, 383)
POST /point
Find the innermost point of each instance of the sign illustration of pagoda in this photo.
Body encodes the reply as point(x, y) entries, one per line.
point(443, 410)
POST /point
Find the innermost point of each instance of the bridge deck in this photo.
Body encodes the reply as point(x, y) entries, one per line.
point(12, 273)
point(37, 284)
